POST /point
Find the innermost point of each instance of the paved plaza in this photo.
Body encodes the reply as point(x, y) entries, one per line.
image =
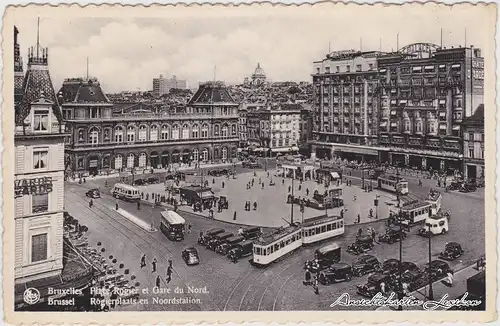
point(272, 209)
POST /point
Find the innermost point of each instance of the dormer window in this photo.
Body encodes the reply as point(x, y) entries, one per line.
point(41, 120)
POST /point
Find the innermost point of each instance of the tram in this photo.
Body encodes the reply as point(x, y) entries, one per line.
point(393, 184)
point(416, 211)
point(269, 248)
point(434, 198)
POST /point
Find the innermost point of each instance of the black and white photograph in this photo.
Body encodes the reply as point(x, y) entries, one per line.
point(250, 160)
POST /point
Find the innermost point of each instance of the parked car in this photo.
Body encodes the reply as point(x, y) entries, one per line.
point(190, 256)
point(437, 269)
point(139, 182)
point(374, 285)
point(362, 244)
point(228, 244)
point(93, 193)
point(207, 236)
point(414, 278)
point(243, 249)
point(365, 264)
point(251, 233)
point(409, 266)
point(392, 235)
point(390, 266)
point(153, 180)
point(323, 258)
point(337, 272)
point(468, 187)
point(452, 250)
point(434, 225)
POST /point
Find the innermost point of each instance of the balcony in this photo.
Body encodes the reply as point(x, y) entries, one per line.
point(53, 130)
point(160, 116)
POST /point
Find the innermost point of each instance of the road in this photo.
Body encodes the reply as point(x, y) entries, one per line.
point(241, 286)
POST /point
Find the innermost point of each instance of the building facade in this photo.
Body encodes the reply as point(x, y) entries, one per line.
point(473, 144)
point(424, 94)
point(18, 70)
point(163, 85)
point(345, 105)
point(142, 137)
point(242, 126)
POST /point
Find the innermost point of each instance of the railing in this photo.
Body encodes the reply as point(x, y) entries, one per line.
point(159, 142)
point(162, 115)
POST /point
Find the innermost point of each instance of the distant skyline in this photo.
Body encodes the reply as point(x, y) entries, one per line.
point(126, 54)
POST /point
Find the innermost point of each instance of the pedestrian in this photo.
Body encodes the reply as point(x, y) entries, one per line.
point(354, 198)
point(254, 205)
point(283, 181)
point(91, 202)
point(382, 287)
point(138, 205)
point(373, 234)
point(316, 287)
point(116, 205)
point(190, 227)
point(169, 274)
point(262, 185)
point(268, 174)
point(223, 184)
point(360, 232)
point(170, 262)
point(371, 212)
point(406, 292)
point(143, 261)
point(158, 281)
point(240, 231)
point(449, 279)
point(289, 188)
point(300, 187)
point(234, 216)
point(153, 263)
point(307, 278)
point(307, 191)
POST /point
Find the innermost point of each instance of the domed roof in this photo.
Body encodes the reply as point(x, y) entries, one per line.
point(259, 71)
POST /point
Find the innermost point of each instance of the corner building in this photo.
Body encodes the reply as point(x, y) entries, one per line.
point(346, 106)
point(141, 136)
point(424, 94)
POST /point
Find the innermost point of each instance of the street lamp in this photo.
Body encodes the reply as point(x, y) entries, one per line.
point(291, 209)
point(376, 206)
point(431, 292)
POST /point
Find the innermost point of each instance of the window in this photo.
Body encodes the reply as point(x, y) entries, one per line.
point(348, 68)
point(119, 134)
point(327, 70)
point(142, 160)
point(370, 66)
point(471, 136)
point(233, 130)
point(317, 70)
point(164, 132)
point(204, 131)
point(338, 69)
point(216, 130)
point(407, 125)
point(94, 136)
point(224, 131)
point(39, 247)
point(153, 133)
point(358, 67)
point(40, 203)
point(185, 131)
point(95, 113)
point(130, 134)
point(195, 131)
point(196, 155)
point(175, 132)
point(471, 152)
point(143, 131)
point(41, 120)
point(40, 159)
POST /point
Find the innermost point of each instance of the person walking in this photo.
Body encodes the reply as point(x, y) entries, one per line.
point(307, 278)
point(138, 205)
point(91, 202)
point(307, 191)
point(223, 184)
point(154, 263)
point(240, 231)
point(143, 261)
point(289, 188)
point(158, 281)
point(170, 262)
point(116, 205)
point(315, 286)
point(169, 274)
point(254, 205)
point(448, 281)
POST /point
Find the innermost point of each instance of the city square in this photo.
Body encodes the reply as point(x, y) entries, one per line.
point(362, 176)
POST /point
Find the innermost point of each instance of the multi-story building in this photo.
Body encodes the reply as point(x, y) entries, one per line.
point(425, 93)
point(306, 129)
point(39, 191)
point(345, 105)
point(140, 137)
point(242, 126)
point(275, 130)
point(473, 144)
point(163, 85)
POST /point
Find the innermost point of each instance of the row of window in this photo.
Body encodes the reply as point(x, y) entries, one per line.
point(358, 68)
point(307, 232)
point(277, 246)
point(165, 133)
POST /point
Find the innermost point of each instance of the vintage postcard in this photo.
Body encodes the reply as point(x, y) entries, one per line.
point(215, 163)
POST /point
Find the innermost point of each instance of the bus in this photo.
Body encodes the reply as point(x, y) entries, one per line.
point(393, 184)
point(126, 192)
point(172, 225)
point(322, 227)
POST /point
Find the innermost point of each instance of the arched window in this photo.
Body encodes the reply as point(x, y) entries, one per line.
point(185, 131)
point(80, 135)
point(233, 130)
point(196, 155)
point(94, 136)
point(130, 161)
point(119, 134)
point(143, 132)
point(224, 153)
point(130, 134)
point(204, 131)
point(204, 155)
point(175, 132)
point(195, 131)
point(407, 125)
point(107, 134)
point(153, 133)
point(118, 162)
point(216, 130)
point(164, 132)
point(142, 160)
point(224, 131)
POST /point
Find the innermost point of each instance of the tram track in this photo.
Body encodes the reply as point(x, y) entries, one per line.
point(143, 242)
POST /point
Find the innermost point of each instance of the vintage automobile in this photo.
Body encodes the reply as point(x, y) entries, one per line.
point(228, 244)
point(323, 258)
point(251, 233)
point(93, 193)
point(337, 272)
point(139, 182)
point(390, 266)
point(190, 256)
point(362, 244)
point(452, 250)
point(414, 278)
point(437, 269)
point(218, 173)
point(467, 187)
point(374, 285)
point(223, 202)
point(409, 266)
point(434, 225)
point(365, 264)
point(218, 239)
point(392, 235)
point(243, 249)
point(479, 182)
point(207, 236)
point(153, 180)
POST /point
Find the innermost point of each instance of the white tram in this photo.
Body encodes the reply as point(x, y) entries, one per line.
point(416, 211)
point(393, 184)
point(268, 248)
point(434, 198)
point(321, 228)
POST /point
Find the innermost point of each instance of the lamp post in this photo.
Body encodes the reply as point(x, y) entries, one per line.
point(376, 206)
point(291, 209)
point(400, 290)
point(431, 292)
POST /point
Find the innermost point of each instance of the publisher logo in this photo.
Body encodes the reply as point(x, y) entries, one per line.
point(31, 296)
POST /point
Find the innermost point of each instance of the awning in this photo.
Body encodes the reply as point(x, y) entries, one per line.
point(93, 163)
point(383, 124)
point(393, 112)
point(394, 124)
point(284, 149)
point(417, 68)
point(403, 102)
point(442, 66)
point(258, 149)
point(456, 127)
point(456, 66)
point(335, 175)
point(442, 126)
point(429, 67)
point(382, 70)
point(206, 194)
point(442, 101)
point(355, 149)
point(393, 101)
point(442, 114)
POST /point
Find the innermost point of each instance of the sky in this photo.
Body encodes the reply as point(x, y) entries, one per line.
point(126, 53)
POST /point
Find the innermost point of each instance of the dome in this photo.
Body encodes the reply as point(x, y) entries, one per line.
point(259, 71)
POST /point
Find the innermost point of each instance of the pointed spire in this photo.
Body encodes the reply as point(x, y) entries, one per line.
point(37, 37)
